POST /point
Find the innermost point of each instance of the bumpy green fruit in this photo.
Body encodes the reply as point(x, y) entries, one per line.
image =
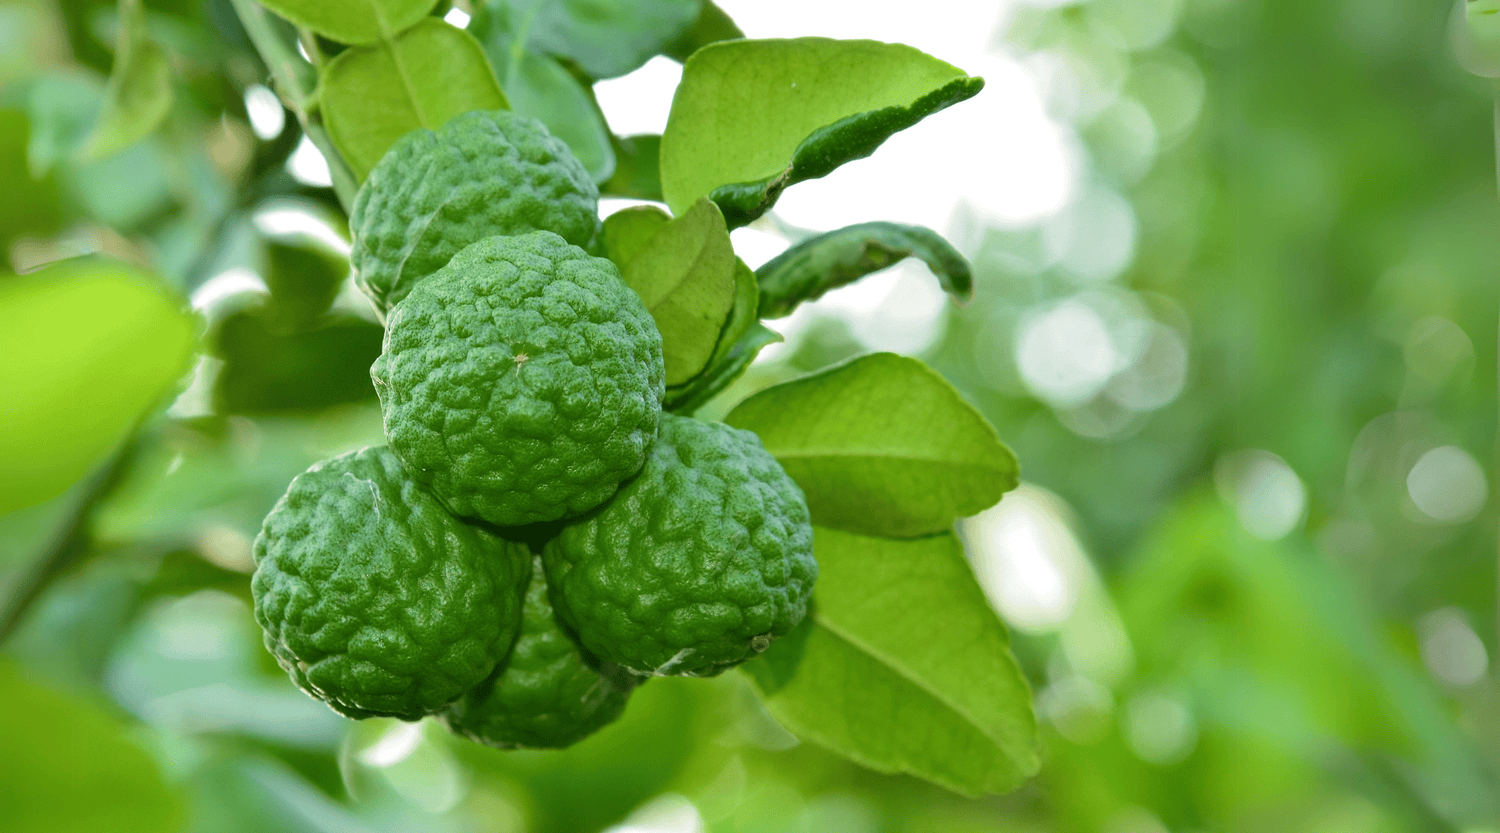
point(377, 600)
point(481, 174)
point(523, 381)
point(548, 693)
point(696, 565)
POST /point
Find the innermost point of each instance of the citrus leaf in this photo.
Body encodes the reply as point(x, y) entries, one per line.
point(807, 270)
point(373, 95)
point(269, 371)
point(626, 232)
point(901, 666)
point(685, 274)
point(752, 117)
point(606, 38)
point(538, 86)
point(359, 22)
point(723, 372)
point(90, 346)
point(637, 169)
point(881, 445)
point(139, 93)
point(712, 26)
point(71, 766)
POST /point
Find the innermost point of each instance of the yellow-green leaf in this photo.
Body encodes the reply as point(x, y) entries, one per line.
point(373, 95)
point(882, 445)
point(752, 117)
point(901, 666)
point(353, 21)
point(90, 345)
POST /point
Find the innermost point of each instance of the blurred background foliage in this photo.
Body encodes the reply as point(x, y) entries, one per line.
point(1247, 359)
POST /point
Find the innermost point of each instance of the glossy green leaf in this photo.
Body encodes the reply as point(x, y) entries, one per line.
point(712, 26)
point(742, 315)
point(373, 95)
point(627, 232)
point(902, 666)
point(814, 266)
point(139, 94)
point(90, 346)
point(752, 117)
point(353, 21)
point(882, 445)
point(637, 168)
point(606, 38)
point(66, 764)
point(722, 372)
point(685, 274)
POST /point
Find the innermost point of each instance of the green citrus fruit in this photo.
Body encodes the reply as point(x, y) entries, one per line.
point(523, 381)
point(696, 565)
point(548, 694)
point(481, 174)
point(377, 600)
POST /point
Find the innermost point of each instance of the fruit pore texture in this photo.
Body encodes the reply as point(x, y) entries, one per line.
point(523, 381)
point(377, 600)
point(433, 193)
point(548, 693)
point(696, 565)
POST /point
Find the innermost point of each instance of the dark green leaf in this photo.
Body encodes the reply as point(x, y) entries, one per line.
point(685, 274)
point(139, 93)
point(304, 277)
point(712, 26)
point(752, 117)
point(627, 232)
point(723, 372)
point(607, 38)
point(637, 168)
point(882, 445)
point(901, 666)
point(353, 21)
point(810, 268)
point(373, 95)
point(266, 371)
point(90, 345)
point(538, 86)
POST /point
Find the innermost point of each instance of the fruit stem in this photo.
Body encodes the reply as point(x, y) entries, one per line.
point(296, 82)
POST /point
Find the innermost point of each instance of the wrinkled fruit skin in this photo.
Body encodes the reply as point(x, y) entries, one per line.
point(483, 173)
point(548, 693)
point(377, 600)
point(523, 381)
point(696, 565)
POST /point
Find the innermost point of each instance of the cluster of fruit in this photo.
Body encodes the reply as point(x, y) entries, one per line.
point(539, 535)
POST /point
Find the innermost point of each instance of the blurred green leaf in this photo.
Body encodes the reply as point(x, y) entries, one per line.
point(627, 232)
point(752, 117)
point(68, 765)
point(606, 38)
point(637, 168)
point(62, 108)
point(712, 26)
point(373, 95)
point(92, 345)
point(902, 667)
point(685, 274)
point(267, 371)
point(882, 445)
point(304, 277)
point(353, 21)
point(139, 94)
point(807, 270)
point(33, 206)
